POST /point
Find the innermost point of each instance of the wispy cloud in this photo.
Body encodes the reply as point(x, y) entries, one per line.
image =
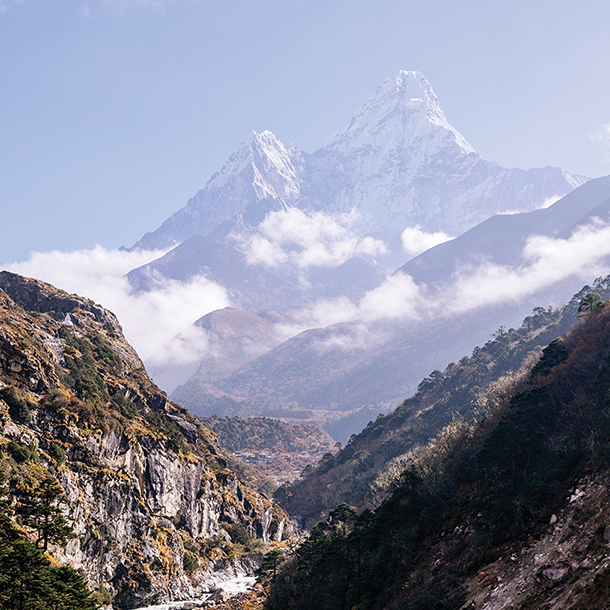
point(5, 5)
point(398, 297)
point(120, 6)
point(601, 136)
point(547, 261)
point(149, 319)
point(549, 201)
point(306, 240)
point(178, 359)
point(415, 241)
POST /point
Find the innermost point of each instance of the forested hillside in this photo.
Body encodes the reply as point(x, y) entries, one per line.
point(507, 511)
point(277, 449)
point(466, 390)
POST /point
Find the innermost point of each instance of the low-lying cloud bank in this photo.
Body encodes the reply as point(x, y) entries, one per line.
point(306, 240)
point(149, 319)
point(158, 323)
point(546, 261)
point(415, 240)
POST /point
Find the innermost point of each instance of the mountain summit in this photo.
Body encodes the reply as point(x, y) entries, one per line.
point(402, 112)
point(398, 164)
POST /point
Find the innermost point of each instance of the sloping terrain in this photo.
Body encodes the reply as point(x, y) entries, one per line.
point(465, 389)
point(279, 450)
point(341, 375)
point(228, 338)
point(501, 239)
point(508, 512)
point(251, 288)
point(153, 505)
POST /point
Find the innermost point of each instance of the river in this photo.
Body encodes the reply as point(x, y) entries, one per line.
point(232, 586)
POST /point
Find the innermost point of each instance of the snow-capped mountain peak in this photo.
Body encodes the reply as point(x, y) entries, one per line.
point(265, 163)
point(398, 164)
point(402, 112)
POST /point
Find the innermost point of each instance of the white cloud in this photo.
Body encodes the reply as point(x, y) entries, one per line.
point(546, 262)
point(549, 201)
point(306, 240)
point(349, 338)
point(601, 135)
point(179, 359)
point(149, 319)
point(398, 297)
point(415, 241)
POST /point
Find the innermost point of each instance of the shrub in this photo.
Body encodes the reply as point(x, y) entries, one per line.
point(18, 406)
point(57, 453)
point(102, 596)
point(239, 535)
point(189, 563)
point(22, 453)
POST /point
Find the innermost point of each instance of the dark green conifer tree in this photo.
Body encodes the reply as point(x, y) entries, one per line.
point(39, 508)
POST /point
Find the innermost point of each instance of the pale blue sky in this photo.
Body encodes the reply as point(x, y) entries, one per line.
point(114, 112)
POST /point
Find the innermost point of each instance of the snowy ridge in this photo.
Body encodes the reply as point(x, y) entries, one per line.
point(398, 164)
point(261, 169)
point(266, 162)
point(402, 112)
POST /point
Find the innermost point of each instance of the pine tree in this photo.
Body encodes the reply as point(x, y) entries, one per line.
point(23, 578)
point(28, 581)
point(39, 508)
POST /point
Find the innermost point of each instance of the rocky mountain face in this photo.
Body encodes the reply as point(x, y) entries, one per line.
point(507, 510)
point(283, 231)
point(398, 164)
point(154, 507)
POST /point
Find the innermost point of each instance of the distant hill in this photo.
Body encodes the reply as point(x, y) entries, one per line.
point(279, 450)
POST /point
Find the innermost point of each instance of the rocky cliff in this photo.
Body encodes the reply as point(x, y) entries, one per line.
point(156, 512)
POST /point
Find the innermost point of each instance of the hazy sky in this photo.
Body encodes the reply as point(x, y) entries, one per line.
point(114, 112)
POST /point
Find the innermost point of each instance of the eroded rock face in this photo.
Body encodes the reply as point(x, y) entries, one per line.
point(151, 499)
point(136, 505)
